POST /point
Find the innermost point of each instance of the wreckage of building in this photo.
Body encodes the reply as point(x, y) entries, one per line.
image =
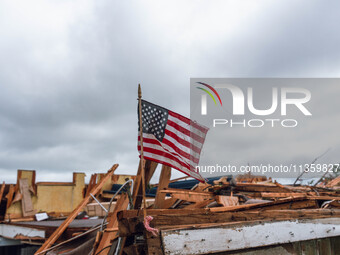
point(226, 215)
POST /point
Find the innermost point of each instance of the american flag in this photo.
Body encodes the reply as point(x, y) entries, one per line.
point(171, 139)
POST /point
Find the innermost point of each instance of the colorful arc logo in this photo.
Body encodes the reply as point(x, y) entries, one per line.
point(209, 93)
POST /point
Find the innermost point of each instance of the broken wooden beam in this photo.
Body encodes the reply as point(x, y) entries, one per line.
point(286, 203)
point(111, 231)
point(149, 168)
point(91, 184)
point(256, 237)
point(282, 195)
point(253, 187)
point(133, 225)
point(154, 244)
point(333, 182)
point(2, 191)
point(188, 195)
point(9, 195)
point(201, 204)
point(164, 179)
point(54, 237)
point(227, 200)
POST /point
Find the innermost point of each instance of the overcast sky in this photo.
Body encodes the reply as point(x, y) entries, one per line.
point(69, 70)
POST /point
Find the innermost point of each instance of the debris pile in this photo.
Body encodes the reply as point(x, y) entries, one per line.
point(181, 216)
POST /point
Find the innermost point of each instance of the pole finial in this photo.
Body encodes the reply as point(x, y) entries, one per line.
point(139, 91)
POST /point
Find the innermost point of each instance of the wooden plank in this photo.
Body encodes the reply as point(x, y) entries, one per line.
point(137, 195)
point(227, 200)
point(262, 206)
point(154, 244)
point(282, 195)
point(17, 197)
point(19, 173)
point(201, 187)
point(324, 246)
point(54, 237)
point(31, 180)
point(169, 202)
point(335, 204)
point(311, 195)
point(303, 204)
point(333, 182)
point(92, 183)
point(133, 225)
point(124, 218)
point(174, 180)
point(134, 213)
point(163, 183)
point(259, 187)
point(281, 186)
point(335, 244)
point(150, 167)
point(2, 191)
point(188, 195)
point(110, 233)
point(308, 247)
point(211, 240)
point(324, 198)
point(26, 202)
point(287, 203)
point(9, 195)
point(201, 204)
point(137, 183)
point(193, 219)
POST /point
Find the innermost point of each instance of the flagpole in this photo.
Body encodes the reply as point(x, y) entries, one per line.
point(141, 146)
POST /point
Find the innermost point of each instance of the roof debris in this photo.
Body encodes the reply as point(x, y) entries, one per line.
point(108, 223)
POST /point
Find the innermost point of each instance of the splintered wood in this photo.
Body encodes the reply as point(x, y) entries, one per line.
point(227, 201)
point(181, 208)
point(54, 237)
point(9, 195)
point(163, 184)
point(334, 182)
point(2, 190)
point(106, 237)
point(221, 203)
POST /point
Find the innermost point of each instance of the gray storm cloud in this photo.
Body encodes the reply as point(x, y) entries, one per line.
point(70, 69)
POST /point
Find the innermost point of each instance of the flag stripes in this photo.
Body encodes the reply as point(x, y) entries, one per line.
point(171, 139)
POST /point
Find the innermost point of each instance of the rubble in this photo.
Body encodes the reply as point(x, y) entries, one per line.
point(183, 216)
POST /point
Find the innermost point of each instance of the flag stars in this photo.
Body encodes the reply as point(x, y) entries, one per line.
point(154, 120)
